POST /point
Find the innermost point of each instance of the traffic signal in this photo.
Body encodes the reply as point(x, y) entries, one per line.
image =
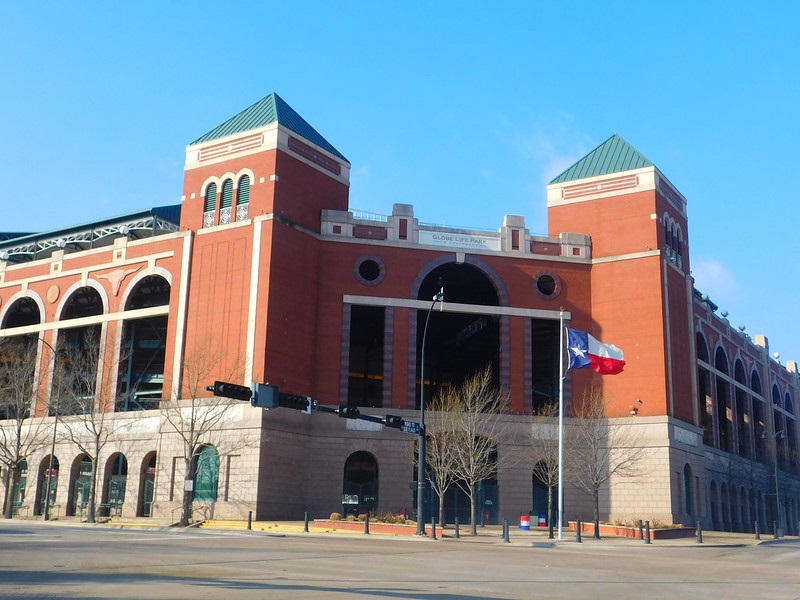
point(394, 421)
point(348, 412)
point(303, 403)
point(264, 395)
point(224, 389)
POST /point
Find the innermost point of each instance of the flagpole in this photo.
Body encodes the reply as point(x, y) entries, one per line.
point(561, 426)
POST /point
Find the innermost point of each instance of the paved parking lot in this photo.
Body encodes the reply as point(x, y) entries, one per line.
point(48, 560)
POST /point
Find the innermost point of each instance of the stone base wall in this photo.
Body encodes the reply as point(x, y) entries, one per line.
point(281, 464)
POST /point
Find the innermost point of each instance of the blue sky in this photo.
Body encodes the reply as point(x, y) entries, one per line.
point(463, 109)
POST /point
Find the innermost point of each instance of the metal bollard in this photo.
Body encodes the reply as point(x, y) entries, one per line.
point(578, 532)
point(366, 523)
point(641, 529)
point(699, 532)
point(506, 539)
point(249, 520)
point(456, 535)
point(647, 532)
point(305, 522)
point(758, 533)
point(433, 527)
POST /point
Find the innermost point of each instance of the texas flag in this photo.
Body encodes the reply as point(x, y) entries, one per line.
point(585, 351)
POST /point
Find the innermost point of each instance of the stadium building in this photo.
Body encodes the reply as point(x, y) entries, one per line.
point(264, 273)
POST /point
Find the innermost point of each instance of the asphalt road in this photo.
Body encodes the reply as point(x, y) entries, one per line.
point(44, 561)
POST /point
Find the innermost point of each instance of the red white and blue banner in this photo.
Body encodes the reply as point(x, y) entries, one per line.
point(586, 352)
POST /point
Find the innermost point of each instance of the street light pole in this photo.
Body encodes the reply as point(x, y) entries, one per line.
point(421, 463)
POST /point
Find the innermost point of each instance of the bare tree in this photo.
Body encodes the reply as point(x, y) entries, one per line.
point(199, 420)
point(598, 453)
point(20, 435)
point(86, 374)
point(440, 452)
point(544, 446)
point(476, 427)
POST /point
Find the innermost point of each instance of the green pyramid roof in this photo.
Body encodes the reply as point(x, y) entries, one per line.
point(615, 155)
point(264, 112)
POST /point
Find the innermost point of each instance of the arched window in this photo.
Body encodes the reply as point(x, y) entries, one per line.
point(243, 198)
point(787, 404)
point(206, 474)
point(226, 205)
point(210, 206)
point(776, 395)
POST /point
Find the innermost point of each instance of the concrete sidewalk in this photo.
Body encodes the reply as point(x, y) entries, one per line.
point(490, 534)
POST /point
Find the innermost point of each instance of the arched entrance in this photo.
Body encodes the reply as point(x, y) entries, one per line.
point(541, 493)
point(206, 474)
point(47, 484)
point(80, 485)
point(360, 487)
point(114, 484)
point(713, 498)
point(147, 480)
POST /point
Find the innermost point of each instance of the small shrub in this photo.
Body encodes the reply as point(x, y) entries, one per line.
point(335, 516)
point(350, 518)
point(362, 517)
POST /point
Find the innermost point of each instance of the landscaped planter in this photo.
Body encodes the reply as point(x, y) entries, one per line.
point(669, 533)
point(390, 528)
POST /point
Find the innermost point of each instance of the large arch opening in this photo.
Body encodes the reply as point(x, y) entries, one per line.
point(144, 343)
point(458, 344)
point(723, 413)
point(743, 421)
point(704, 398)
point(78, 353)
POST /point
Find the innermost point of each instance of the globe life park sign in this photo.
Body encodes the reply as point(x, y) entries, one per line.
point(475, 241)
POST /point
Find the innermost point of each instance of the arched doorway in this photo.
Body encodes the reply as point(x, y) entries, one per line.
point(360, 487)
point(47, 484)
point(147, 480)
point(206, 474)
point(541, 494)
point(115, 483)
point(688, 496)
point(80, 485)
point(714, 501)
point(18, 485)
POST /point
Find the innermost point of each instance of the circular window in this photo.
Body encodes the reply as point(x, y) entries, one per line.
point(547, 285)
point(370, 270)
